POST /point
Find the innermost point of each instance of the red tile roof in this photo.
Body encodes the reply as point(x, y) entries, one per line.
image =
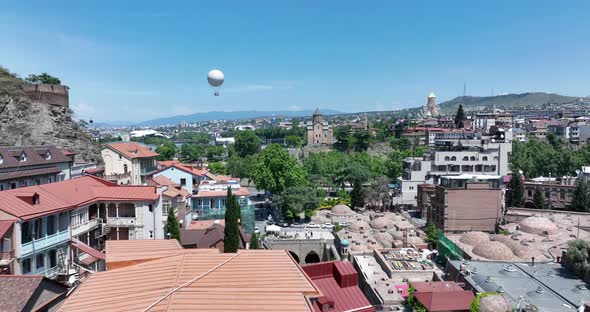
point(28, 292)
point(132, 150)
point(338, 282)
point(5, 226)
point(35, 156)
point(69, 194)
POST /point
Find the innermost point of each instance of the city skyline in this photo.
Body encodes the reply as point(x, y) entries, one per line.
point(136, 63)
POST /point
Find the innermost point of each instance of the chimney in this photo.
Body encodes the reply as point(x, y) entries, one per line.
point(532, 261)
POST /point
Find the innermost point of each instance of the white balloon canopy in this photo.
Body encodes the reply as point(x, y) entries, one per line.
point(215, 78)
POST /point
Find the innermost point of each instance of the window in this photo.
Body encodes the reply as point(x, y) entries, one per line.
point(453, 158)
point(48, 156)
point(38, 230)
point(120, 157)
point(51, 225)
point(62, 221)
point(183, 181)
point(151, 234)
point(562, 195)
point(52, 258)
point(23, 157)
point(40, 261)
point(1, 160)
point(151, 208)
point(485, 158)
point(1, 187)
point(547, 194)
point(472, 158)
point(166, 206)
point(27, 266)
point(529, 193)
point(12, 185)
point(465, 158)
point(125, 168)
point(447, 158)
point(26, 232)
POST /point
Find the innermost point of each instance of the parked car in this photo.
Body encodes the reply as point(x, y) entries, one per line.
point(256, 230)
point(344, 223)
point(270, 222)
point(312, 225)
point(284, 223)
point(297, 225)
point(327, 226)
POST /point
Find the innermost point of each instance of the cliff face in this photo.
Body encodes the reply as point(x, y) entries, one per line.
point(25, 120)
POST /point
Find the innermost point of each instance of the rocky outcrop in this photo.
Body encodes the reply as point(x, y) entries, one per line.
point(25, 121)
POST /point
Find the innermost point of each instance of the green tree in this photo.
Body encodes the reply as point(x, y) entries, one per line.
point(357, 195)
point(231, 240)
point(539, 199)
point(431, 232)
point(167, 151)
point(247, 143)
point(294, 200)
point(217, 168)
point(172, 227)
point(400, 144)
point(254, 241)
point(515, 194)
point(362, 140)
point(344, 139)
point(460, 117)
point(581, 198)
point(241, 167)
point(191, 152)
point(293, 141)
point(578, 257)
point(276, 170)
point(43, 78)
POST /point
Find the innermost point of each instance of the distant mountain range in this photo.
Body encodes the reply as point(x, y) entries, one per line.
point(511, 101)
point(214, 115)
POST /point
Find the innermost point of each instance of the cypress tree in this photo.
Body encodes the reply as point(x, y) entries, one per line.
point(357, 195)
point(515, 195)
point(231, 241)
point(460, 116)
point(581, 200)
point(538, 199)
point(254, 241)
point(172, 228)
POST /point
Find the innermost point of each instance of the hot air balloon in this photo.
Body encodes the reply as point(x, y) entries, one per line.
point(215, 79)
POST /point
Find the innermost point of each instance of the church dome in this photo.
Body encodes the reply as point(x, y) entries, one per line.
point(357, 226)
point(474, 238)
point(494, 303)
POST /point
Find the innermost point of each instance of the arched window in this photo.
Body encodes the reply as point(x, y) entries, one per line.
point(23, 157)
point(312, 257)
point(465, 158)
point(485, 158)
point(472, 158)
point(125, 168)
point(447, 158)
point(453, 158)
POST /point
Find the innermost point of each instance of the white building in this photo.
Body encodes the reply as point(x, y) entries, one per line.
point(128, 162)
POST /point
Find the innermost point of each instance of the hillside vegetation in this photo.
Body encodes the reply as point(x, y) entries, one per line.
point(511, 101)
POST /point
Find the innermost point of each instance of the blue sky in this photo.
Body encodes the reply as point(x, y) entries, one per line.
point(138, 60)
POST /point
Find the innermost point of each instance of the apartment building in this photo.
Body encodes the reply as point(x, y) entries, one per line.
point(128, 162)
point(33, 165)
point(43, 222)
point(467, 203)
point(469, 153)
point(558, 192)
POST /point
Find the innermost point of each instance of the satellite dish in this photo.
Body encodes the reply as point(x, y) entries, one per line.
point(215, 78)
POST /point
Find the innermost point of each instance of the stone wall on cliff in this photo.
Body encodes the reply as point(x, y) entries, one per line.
point(24, 121)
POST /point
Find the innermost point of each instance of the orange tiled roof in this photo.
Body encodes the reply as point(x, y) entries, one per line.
point(199, 279)
point(132, 150)
point(68, 194)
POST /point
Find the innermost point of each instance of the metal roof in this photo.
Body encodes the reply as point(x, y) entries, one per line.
point(250, 280)
point(132, 150)
point(69, 194)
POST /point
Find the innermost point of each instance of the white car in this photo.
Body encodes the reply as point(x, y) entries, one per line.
point(312, 225)
point(344, 223)
point(256, 230)
point(327, 226)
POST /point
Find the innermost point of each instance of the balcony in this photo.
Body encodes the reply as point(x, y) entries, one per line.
point(45, 242)
point(123, 222)
point(83, 228)
point(6, 257)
